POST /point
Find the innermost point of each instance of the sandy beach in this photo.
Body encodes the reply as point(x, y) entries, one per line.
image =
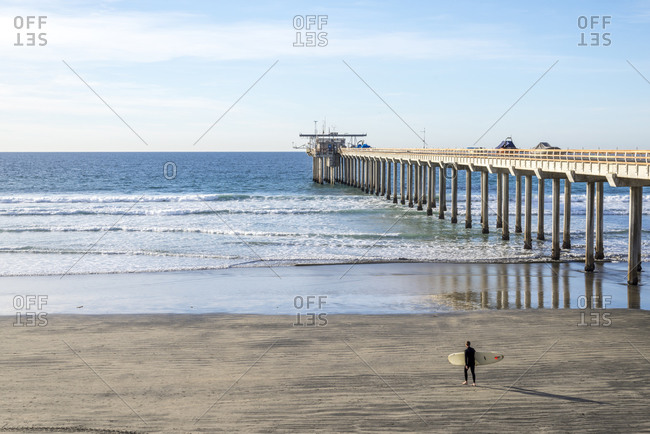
point(256, 373)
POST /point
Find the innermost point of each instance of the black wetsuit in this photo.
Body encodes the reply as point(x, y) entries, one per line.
point(469, 362)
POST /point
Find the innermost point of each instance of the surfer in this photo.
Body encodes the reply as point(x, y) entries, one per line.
point(469, 362)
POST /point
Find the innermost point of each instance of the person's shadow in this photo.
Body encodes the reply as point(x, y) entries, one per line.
point(546, 394)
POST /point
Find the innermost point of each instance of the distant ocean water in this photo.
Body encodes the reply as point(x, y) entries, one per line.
point(87, 213)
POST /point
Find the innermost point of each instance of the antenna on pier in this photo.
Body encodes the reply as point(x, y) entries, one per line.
point(424, 135)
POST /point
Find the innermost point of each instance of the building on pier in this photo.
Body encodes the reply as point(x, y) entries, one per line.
point(325, 148)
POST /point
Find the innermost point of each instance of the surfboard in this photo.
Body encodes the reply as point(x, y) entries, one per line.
point(480, 357)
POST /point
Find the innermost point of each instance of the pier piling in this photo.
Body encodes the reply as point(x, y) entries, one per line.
point(555, 226)
point(566, 232)
point(430, 189)
point(454, 195)
point(518, 204)
point(600, 251)
point(540, 208)
point(589, 242)
point(468, 199)
point(634, 237)
point(418, 184)
point(484, 202)
point(443, 188)
point(505, 231)
point(499, 200)
point(528, 238)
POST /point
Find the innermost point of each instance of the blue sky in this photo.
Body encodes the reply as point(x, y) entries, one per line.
point(170, 70)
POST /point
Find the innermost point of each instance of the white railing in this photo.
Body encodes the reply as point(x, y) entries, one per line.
point(573, 155)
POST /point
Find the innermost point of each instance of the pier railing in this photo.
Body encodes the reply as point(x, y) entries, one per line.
point(569, 155)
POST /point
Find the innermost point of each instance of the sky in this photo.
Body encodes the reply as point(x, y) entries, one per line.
point(145, 76)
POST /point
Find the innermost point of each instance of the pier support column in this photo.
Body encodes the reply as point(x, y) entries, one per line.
point(432, 174)
point(443, 190)
point(409, 181)
point(379, 178)
point(368, 174)
point(401, 183)
point(423, 183)
point(394, 181)
point(468, 198)
point(454, 195)
point(518, 204)
point(540, 208)
point(499, 200)
point(321, 170)
point(589, 247)
point(484, 202)
point(600, 251)
point(389, 165)
point(357, 174)
point(430, 189)
point(418, 184)
point(382, 177)
point(505, 231)
point(634, 237)
point(528, 236)
point(566, 233)
point(555, 230)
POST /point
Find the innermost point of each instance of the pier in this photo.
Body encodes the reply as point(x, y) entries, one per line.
point(413, 173)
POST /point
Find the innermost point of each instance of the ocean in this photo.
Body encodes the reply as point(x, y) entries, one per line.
point(94, 213)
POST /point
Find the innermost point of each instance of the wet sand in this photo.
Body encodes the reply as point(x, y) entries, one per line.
point(255, 373)
point(392, 288)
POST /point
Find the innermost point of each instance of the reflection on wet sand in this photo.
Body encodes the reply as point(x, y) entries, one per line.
point(558, 285)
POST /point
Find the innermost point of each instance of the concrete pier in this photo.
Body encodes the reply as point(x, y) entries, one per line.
point(373, 170)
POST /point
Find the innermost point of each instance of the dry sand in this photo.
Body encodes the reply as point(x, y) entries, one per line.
point(212, 373)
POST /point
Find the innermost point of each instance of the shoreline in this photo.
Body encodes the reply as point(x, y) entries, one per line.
point(262, 264)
